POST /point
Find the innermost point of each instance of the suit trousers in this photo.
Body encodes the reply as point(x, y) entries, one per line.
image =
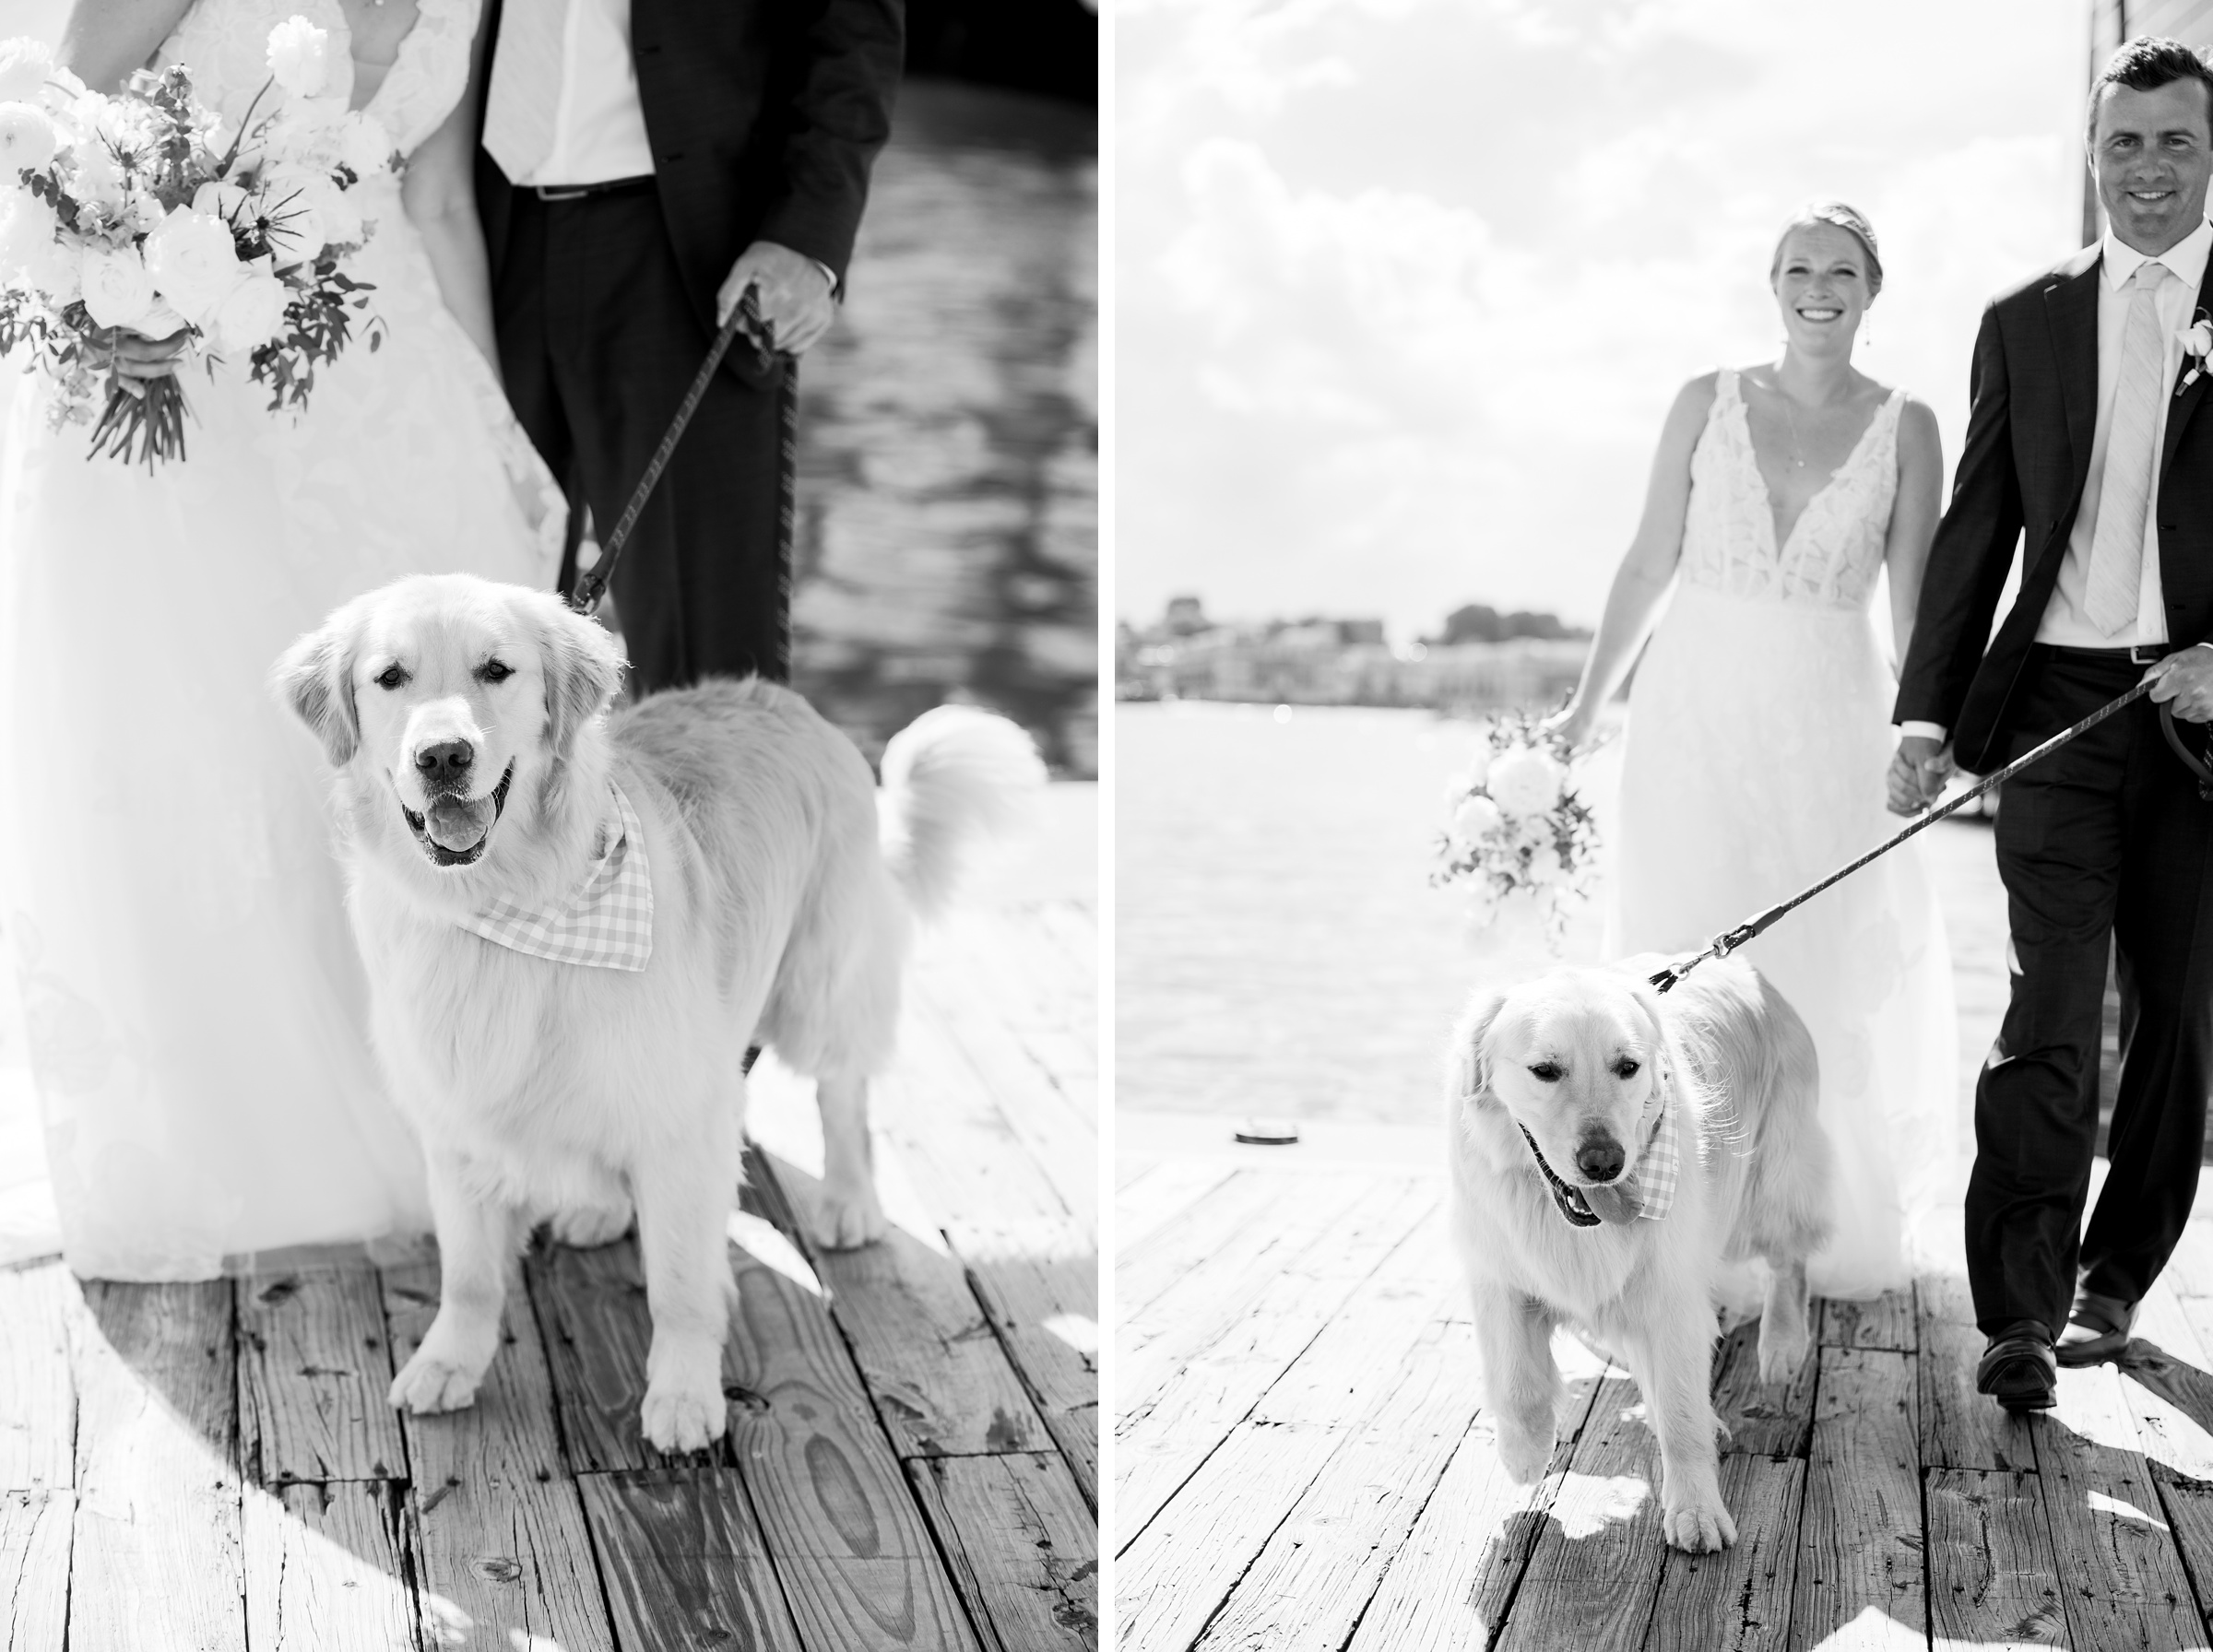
point(599, 343)
point(2104, 843)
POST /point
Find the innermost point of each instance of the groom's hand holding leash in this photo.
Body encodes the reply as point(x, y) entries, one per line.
point(2185, 683)
point(794, 293)
point(1917, 772)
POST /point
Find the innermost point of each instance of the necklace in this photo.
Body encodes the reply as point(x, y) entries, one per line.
point(1790, 420)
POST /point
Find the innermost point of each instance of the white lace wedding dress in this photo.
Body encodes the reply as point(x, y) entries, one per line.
point(194, 1008)
point(1758, 739)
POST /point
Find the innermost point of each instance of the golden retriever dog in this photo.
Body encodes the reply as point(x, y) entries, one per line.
point(1572, 1096)
point(478, 772)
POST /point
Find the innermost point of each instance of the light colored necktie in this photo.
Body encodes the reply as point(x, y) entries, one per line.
point(524, 99)
point(2117, 546)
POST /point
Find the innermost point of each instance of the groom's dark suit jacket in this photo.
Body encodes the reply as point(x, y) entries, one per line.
point(764, 116)
point(2034, 409)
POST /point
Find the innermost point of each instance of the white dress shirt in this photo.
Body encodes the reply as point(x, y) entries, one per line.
point(599, 125)
point(2064, 624)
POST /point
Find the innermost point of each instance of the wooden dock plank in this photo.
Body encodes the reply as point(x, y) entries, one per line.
point(591, 1306)
point(1738, 1600)
point(1886, 1321)
point(498, 1534)
point(1293, 1241)
point(1451, 1583)
point(1176, 1571)
point(939, 1380)
point(1763, 1418)
point(850, 1544)
point(156, 1557)
point(34, 1568)
point(1310, 1583)
point(2127, 1583)
point(325, 1570)
point(1153, 1195)
point(38, 1400)
point(685, 1562)
point(1022, 1546)
point(1594, 1573)
point(1188, 1410)
point(1202, 1236)
point(1960, 1428)
point(1044, 1309)
point(1859, 1542)
point(313, 1374)
point(1993, 1581)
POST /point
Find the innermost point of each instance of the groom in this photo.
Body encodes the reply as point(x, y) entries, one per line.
point(2078, 440)
point(643, 163)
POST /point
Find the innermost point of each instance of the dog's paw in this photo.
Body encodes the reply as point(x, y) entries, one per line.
point(588, 1225)
point(848, 1218)
point(1523, 1451)
point(677, 1418)
point(1698, 1525)
point(1782, 1351)
point(426, 1384)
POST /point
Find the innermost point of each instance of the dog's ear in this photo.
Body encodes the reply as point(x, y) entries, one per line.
point(583, 669)
point(315, 678)
point(1664, 1056)
point(1470, 1062)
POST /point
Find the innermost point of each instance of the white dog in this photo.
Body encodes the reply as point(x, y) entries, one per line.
point(573, 927)
point(1615, 1151)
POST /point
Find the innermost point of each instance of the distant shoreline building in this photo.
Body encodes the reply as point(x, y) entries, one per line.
point(1320, 661)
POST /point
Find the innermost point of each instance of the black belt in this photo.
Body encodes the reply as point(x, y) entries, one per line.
point(2142, 653)
point(578, 191)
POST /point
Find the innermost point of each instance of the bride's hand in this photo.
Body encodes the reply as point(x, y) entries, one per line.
point(1571, 722)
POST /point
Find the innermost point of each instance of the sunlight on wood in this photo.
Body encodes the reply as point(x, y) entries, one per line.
point(2101, 1503)
point(1078, 1332)
point(1873, 1631)
point(445, 1624)
point(1590, 1502)
point(781, 1118)
point(761, 1241)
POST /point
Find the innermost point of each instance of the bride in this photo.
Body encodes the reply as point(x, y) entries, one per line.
point(1759, 733)
point(194, 1010)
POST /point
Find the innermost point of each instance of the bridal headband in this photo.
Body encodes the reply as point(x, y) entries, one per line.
point(1843, 217)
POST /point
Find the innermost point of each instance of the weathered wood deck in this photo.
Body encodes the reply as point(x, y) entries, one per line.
point(1302, 1459)
point(912, 1455)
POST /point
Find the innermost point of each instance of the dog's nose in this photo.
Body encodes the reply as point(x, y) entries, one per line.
point(447, 761)
point(1600, 1158)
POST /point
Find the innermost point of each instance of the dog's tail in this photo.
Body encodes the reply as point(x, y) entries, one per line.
point(952, 776)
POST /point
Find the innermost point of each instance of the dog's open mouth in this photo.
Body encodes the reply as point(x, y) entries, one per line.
point(1618, 1202)
point(454, 830)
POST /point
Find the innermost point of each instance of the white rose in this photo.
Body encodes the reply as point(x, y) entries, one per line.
point(364, 146)
point(1546, 867)
point(251, 313)
point(192, 258)
point(1525, 780)
point(97, 181)
point(25, 64)
point(299, 58)
point(219, 199)
point(342, 224)
point(28, 140)
point(118, 292)
point(1476, 820)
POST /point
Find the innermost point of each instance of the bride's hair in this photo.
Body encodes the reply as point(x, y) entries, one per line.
point(1842, 216)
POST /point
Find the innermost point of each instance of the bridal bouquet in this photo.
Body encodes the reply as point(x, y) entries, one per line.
point(138, 214)
point(1518, 827)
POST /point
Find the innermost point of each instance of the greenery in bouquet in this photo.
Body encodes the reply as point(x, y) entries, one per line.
point(137, 215)
point(1517, 827)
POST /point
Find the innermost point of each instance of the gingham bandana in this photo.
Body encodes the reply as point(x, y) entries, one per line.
point(607, 924)
point(1662, 1165)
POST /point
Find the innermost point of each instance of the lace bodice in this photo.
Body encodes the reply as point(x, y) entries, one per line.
point(225, 44)
point(1835, 548)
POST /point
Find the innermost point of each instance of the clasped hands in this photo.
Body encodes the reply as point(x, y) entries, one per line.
point(2183, 682)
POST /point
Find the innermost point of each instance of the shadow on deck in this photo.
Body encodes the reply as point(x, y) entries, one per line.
point(911, 1459)
point(1303, 1461)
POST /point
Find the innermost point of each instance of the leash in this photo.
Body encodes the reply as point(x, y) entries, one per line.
point(1722, 945)
point(591, 586)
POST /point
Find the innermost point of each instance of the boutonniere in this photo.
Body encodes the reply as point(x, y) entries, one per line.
point(2197, 345)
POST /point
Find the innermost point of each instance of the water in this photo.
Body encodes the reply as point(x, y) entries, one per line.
point(1278, 948)
point(947, 534)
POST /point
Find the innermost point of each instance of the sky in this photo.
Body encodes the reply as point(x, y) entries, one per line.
point(1405, 288)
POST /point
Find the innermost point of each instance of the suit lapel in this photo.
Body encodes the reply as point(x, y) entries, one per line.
point(2071, 310)
point(2180, 409)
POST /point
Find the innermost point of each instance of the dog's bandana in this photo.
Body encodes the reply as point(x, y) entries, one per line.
point(1662, 1165)
point(607, 924)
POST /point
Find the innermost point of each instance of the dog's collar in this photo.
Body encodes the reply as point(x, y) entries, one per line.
point(606, 923)
point(1659, 1169)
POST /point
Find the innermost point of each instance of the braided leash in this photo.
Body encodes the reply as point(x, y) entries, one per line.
point(1722, 945)
point(591, 586)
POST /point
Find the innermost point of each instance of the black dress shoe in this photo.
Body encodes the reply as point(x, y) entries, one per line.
point(2017, 1369)
point(2097, 1329)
